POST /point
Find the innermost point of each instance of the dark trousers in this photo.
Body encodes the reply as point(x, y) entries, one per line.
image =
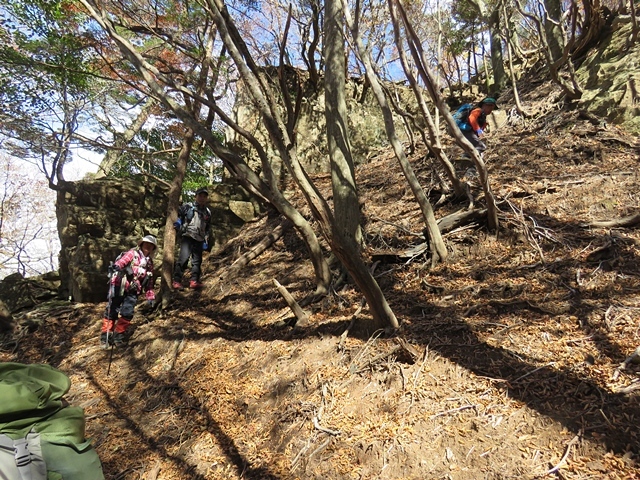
point(189, 248)
point(123, 305)
point(478, 144)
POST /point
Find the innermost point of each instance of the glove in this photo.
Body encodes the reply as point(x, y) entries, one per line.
point(205, 245)
point(150, 296)
point(134, 286)
point(479, 132)
point(177, 224)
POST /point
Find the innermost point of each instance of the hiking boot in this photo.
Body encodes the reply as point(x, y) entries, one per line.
point(177, 285)
point(195, 285)
point(120, 340)
point(103, 339)
point(471, 173)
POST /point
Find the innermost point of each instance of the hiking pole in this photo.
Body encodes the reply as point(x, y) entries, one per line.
point(115, 322)
point(112, 345)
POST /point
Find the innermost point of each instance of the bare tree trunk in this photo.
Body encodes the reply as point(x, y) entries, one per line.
point(345, 250)
point(497, 60)
point(173, 202)
point(436, 97)
point(435, 146)
point(514, 82)
point(121, 140)
point(438, 248)
point(271, 238)
point(552, 28)
point(343, 181)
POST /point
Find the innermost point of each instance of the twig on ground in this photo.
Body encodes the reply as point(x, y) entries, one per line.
point(316, 424)
point(633, 358)
point(573, 441)
point(153, 473)
point(533, 371)
point(343, 336)
point(629, 388)
point(453, 410)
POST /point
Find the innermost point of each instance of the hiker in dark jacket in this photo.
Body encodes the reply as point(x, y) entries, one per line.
point(132, 274)
point(473, 127)
point(193, 225)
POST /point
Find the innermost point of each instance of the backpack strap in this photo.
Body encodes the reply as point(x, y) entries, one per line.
point(22, 459)
point(190, 213)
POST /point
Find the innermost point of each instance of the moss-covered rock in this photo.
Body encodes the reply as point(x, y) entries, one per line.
point(610, 76)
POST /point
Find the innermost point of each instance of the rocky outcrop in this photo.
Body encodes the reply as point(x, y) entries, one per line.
point(98, 219)
point(231, 206)
point(365, 122)
point(18, 293)
point(610, 76)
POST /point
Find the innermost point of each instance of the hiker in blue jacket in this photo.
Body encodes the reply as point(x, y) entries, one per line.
point(472, 121)
point(193, 225)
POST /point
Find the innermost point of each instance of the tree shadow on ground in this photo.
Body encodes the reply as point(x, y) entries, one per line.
point(171, 395)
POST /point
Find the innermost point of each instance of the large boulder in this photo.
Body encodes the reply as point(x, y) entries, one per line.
point(19, 293)
point(98, 219)
point(364, 116)
point(610, 85)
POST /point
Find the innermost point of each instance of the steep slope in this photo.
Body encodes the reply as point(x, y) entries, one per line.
point(519, 337)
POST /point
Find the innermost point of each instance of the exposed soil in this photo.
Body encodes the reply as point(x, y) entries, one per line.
point(519, 338)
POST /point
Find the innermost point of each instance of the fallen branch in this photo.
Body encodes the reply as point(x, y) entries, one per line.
point(303, 318)
point(629, 388)
point(628, 221)
point(265, 243)
point(533, 371)
point(633, 358)
point(460, 218)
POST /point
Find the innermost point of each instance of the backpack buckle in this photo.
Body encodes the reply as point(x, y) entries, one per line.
point(21, 452)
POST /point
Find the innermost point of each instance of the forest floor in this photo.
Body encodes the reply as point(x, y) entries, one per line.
point(517, 339)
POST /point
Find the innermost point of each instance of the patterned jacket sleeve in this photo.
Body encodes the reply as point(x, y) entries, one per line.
point(125, 259)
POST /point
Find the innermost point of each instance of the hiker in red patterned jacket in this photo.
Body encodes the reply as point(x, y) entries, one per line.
point(132, 275)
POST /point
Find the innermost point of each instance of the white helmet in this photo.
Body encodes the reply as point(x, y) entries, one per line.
point(149, 239)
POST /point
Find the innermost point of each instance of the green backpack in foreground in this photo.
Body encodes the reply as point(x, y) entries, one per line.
point(40, 437)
